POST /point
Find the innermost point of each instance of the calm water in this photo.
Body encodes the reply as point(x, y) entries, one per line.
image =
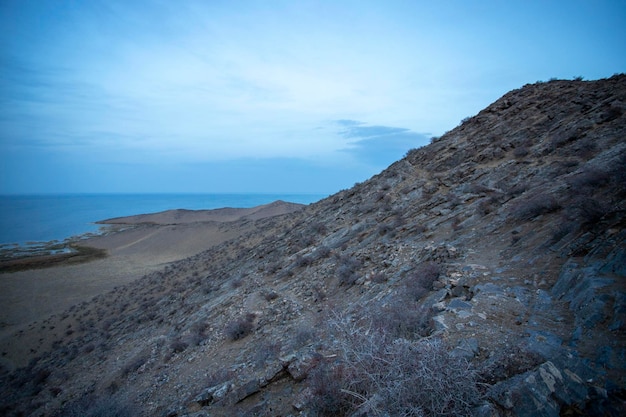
point(45, 218)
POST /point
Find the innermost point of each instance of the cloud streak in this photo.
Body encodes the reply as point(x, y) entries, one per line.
point(378, 144)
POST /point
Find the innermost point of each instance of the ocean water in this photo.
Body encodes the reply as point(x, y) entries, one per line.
point(27, 219)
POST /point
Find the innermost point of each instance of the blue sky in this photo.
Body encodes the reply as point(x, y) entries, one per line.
point(266, 96)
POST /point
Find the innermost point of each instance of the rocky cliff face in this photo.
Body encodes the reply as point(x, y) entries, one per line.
point(485, 271)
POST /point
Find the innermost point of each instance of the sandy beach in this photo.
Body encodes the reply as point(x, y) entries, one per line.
point(143, 244)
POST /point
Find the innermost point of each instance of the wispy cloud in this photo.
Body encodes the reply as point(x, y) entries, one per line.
point(379, 145)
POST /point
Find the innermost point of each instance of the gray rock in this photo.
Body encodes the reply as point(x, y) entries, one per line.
point(274, 372)
point(249, 388)
point(196, 414)
point(213, 394)
point(580, 287)
point(615, 262)
point(486, 410)
point(487, 288)
point(467, 348)
point(541, 392)
point(435, 297)
point(544, 343)
point(299, 368)
point(457, 305)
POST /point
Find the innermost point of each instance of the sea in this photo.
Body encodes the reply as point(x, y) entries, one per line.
point(30, 220)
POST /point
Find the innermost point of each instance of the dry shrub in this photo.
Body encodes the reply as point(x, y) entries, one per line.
point(179, 345)
point(535, 206)
point(404, 318)
point(239, 328)
point(421, 280)
point(327, 398)
point(589, 178)
point(380, 376)
point(347, 270)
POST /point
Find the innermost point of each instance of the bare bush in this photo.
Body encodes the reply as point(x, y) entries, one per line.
point(404, 318)
point(347, 270)
point(239, 328)
point(377, 375)
point(327, 398)
point(535, 206)
point(591, 178)
point(421, 280)
point(179, 345)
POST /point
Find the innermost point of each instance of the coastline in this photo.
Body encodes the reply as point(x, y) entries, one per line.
point(35, 221)
point(45, 285)
point(35, 255)
point(89, 246)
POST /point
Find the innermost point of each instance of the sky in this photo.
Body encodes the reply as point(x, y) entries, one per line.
point(212, 96)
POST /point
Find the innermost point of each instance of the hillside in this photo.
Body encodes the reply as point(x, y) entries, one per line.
point(483, 274)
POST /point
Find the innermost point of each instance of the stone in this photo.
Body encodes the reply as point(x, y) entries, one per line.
point(249, 388)
point(299, 368)
point(273, 373)
point(487, 289)
point(213, 394)
point(544, 343)
point(486, 410)
point(457, 305)
point(540, 392)
point(467, 348)
point(439, 323)
point(580, 287)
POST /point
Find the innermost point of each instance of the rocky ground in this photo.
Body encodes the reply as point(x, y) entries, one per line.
point(480, 275)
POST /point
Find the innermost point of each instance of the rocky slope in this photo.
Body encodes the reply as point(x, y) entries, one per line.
point(482, 274)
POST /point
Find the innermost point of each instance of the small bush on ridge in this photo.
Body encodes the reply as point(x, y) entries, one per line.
point(240, 328)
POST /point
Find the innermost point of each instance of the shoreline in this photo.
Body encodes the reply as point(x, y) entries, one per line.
point(76, 254)
point(86, 247)
point(48, 285)
point(36, 255)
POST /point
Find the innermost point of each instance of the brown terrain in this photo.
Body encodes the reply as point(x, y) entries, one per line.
point(483, 274)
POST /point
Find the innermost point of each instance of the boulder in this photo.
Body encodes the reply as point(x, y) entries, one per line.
point(541, 392)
